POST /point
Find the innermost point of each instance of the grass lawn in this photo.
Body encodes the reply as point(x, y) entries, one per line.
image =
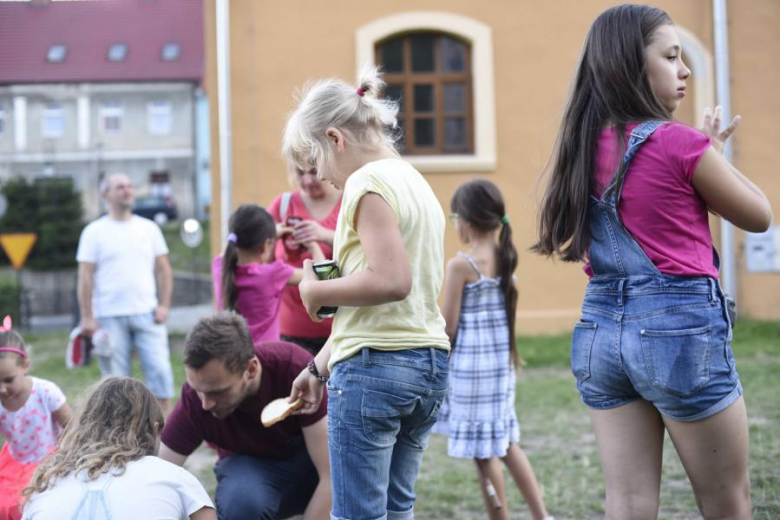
point(556, 433)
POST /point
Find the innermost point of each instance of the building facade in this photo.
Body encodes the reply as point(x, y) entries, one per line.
point(484, 85)
point(91, 88)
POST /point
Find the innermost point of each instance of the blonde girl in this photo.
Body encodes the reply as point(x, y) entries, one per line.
point(387, 353)
point(105, 465)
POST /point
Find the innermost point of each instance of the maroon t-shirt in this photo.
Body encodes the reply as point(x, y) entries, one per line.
point(242, 432)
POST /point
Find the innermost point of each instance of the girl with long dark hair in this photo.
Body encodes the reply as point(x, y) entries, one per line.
point(247, 279)
point(629, 194)
point(480, 300)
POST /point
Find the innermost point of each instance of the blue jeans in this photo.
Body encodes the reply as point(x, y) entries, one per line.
point(663, 339)
point(151, 343)
point(258, 488)
point(381, 409)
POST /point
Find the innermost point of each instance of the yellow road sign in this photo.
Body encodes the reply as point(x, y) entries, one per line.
point(17, 246)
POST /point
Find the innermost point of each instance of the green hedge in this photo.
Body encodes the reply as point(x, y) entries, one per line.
point(50, 207)
point(9, 298)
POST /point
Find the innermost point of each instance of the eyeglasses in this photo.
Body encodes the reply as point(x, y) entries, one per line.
point(454, 218)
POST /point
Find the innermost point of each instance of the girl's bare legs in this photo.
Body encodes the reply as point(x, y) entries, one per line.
point(523, 475)
point(714, 452)
point(491, 469)
point(630, 439)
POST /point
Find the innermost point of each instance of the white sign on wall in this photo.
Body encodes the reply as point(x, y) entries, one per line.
point(762, 251)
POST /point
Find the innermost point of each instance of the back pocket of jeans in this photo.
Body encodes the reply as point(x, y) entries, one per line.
point(581, 347)
point(677, 361)
point(382, 416)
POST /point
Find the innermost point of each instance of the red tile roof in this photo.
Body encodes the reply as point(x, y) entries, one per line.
point(88, 28)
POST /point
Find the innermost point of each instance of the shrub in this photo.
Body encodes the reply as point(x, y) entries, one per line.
point(9, 297)
point(50, 207)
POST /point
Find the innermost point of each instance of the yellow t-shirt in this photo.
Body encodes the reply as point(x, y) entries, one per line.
point(415, 321)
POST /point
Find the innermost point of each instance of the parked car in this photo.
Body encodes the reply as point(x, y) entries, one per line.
point(159, 209)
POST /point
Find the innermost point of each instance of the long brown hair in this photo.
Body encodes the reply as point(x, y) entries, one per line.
point(119, 423)
point(611, 88)
point(479, 202)
point(251, 226)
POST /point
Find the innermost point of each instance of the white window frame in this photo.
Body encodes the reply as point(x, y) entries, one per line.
point(111, 110)
point(480, 37)
point(155, 111)
point(53, 112)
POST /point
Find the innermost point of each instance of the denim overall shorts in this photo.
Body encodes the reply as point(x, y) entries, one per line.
point(644, 334)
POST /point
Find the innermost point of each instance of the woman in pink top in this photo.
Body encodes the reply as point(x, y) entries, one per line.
point(652, 351)
point(246, 277)
point(309, 213)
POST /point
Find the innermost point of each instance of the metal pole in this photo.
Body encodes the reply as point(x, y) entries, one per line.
point(223, 100)
point(723, 95)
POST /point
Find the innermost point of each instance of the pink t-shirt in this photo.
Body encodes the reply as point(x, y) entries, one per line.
point(259, 295)
point(30, 431)
point(659, 205)
point(295, 319)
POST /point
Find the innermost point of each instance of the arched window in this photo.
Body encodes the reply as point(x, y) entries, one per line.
point(448, 59)
point(430, 74)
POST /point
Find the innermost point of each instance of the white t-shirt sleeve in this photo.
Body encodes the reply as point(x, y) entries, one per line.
point(193, 496)
point(158, 241)
point(87, 251)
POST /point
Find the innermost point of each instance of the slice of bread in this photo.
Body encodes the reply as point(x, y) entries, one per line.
point(278, 410)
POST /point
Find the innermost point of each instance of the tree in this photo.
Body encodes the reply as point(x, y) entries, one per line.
point(50, 207)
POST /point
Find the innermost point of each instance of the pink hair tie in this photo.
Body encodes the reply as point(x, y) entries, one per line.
point(15, 351)
point(6, 327)
point(361, 92)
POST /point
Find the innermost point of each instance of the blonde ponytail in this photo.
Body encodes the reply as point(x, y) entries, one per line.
point(366, 119)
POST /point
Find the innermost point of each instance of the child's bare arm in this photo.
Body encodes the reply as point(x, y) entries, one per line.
point(316, 251)
point(388, 277)
point(458, 270)
point(63, 415)
point(317, 256)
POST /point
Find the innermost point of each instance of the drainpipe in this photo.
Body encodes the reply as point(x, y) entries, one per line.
point(223, 104)
point(723, 95)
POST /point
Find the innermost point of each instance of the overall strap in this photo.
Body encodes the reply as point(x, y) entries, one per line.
point(639, 136)
point(471, 261)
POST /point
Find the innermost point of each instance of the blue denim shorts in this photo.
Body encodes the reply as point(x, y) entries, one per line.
point(382, 406)
point(663, 339)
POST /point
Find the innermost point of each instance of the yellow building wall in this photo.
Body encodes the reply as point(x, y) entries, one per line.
point(754, 41)
point(277, 46)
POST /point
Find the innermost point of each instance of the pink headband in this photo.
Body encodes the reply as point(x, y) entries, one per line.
point(6, 327)
point(14, 350)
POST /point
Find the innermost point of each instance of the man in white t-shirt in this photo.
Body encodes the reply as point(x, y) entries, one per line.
point(124, 287)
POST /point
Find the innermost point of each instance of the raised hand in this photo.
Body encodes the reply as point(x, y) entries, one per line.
point(307, 231)
point(711, 127)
